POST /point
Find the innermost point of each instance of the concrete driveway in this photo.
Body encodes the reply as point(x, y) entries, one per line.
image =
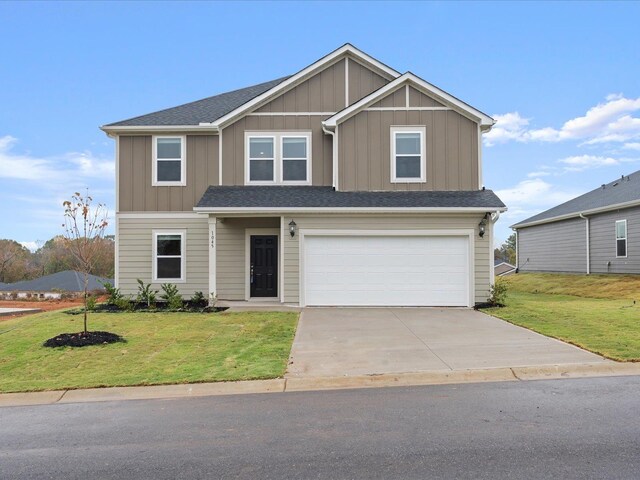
point(361, 341)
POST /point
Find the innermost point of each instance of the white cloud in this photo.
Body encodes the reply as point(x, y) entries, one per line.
point(632, 146)
point(607, 122)
point(541, 173)
point(532, 196)
point(579, 163)
point(509, 126)
point(33, 246)
point(59, 168)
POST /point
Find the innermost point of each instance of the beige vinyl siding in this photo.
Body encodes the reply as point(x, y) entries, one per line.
point(231, 268)
point(482, 253)
point(554, 247)
point(603, 242)
point(136, 194)
point(365, 150)
point(397, 99)
point(135, 252)
point(362, 81)
point(323, 92)
point(233, 145)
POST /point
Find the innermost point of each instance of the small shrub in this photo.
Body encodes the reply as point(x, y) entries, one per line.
point(123, 304)
point(171, 296)
point(198, 299)
point(146, 295)
point(498, 292)
point(114, 294)
point(91, 303)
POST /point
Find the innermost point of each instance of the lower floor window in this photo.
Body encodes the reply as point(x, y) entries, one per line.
point(621, 238)
point(169, 248)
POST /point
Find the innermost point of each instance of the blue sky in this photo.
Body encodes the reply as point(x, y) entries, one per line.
point(561, 78)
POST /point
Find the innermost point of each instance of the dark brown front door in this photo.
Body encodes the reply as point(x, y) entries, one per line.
point(264, 266)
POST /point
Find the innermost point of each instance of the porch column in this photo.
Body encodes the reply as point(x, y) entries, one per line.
point(213, 291)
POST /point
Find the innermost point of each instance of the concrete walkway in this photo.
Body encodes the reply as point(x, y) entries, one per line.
point(5, 312)
point(334, 342)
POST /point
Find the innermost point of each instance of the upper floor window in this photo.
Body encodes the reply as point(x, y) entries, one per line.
point(169, 164)
point(621, 238)
point(408, 158)
point(278, 158)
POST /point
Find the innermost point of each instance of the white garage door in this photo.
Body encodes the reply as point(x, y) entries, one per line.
point(386, 270)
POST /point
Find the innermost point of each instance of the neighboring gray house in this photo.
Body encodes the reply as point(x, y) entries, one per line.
point(52, 286)
point(347, 183)
point(598, 232)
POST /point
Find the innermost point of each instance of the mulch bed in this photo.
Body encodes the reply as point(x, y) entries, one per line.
point(143, 308)
point(82, 339)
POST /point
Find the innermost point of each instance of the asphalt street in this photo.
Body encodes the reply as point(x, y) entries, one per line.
point(560, 429)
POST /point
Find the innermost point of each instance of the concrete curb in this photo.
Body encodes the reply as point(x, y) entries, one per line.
point(302, 384)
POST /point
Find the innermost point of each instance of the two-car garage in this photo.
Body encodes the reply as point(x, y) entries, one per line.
point(381, 269)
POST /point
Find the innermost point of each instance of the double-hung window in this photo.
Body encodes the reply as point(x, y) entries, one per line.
point(169, 249)
point(169, 163)
point(279, 158)
point(621, 238)
point(408, 157)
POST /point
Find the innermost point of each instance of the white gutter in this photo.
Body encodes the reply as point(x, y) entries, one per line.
point(346, 210)
point(158, 128)
point(587, 243)
point(608, 208)
point(334, 146)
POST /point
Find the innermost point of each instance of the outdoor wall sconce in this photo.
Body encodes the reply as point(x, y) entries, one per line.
point(292, 228)
point(482, 226)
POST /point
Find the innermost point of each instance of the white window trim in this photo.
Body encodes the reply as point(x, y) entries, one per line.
point(422, 130)
point(183, 162)
point(278, 160)
point(183, 255)
point(626, 234)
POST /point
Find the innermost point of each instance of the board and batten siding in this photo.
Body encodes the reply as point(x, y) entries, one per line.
point(135, 252)
point(137, 194)
point(482, 254)
point(365, 150)
point(603, 242)
point(231, 268)
point(553, 247)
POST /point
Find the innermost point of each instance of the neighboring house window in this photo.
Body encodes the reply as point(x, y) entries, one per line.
point(169, 164)
point(169, 256)
point(621, 238)
point(278, 158)
point(408, 157)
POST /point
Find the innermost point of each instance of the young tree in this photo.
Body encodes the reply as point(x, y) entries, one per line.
point(84, 227)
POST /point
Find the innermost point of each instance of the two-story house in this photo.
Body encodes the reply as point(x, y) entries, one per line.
point(346, 183)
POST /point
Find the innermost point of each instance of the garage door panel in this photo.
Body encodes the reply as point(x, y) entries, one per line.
point(386, 270)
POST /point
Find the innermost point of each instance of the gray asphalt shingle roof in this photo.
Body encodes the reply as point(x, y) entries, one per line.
point(622, 190)
point(253, 196)
point(205, 110)
point(68, 281)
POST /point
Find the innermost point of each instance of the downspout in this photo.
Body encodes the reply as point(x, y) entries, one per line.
point(517, 259)
point(334, 150)
point(588, 245)
point(493, 218)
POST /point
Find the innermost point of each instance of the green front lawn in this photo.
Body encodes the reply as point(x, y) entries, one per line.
point(161, 348)
point(594, 312)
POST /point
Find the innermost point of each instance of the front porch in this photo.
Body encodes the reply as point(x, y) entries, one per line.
point(246, 260)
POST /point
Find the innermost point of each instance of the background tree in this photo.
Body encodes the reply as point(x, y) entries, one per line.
point(14, 261)
point(507, 251)
point(84, 228)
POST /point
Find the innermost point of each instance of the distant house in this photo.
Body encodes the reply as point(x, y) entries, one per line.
point(598, 232)
point(52, 286)
point(501, 268)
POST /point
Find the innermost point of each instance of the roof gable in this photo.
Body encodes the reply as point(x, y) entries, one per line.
point(305, 74)
point(439, 95)
point(617, 194)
